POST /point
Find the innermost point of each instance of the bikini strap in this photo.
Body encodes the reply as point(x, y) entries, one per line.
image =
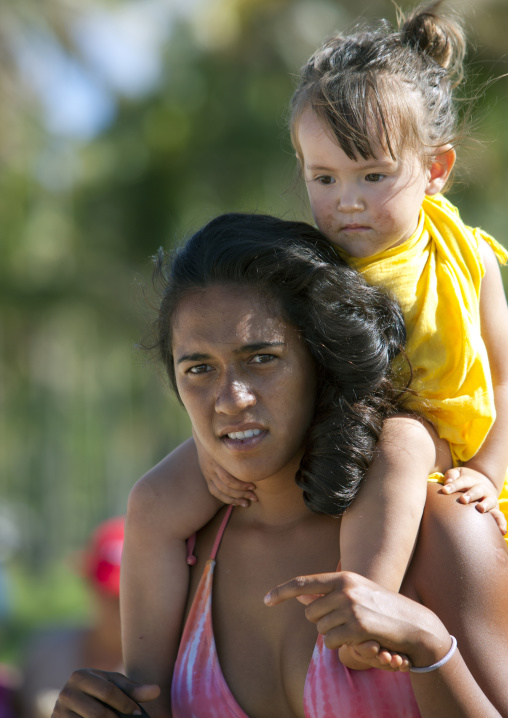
point(191, 542)
point(220, 532)
point(191, 545)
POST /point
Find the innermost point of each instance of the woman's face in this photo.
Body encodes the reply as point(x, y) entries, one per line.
point(246, 379)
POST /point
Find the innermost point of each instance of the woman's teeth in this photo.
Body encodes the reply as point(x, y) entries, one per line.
point(244, 434)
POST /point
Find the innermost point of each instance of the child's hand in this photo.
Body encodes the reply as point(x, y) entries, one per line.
point(370, 655)
point(476, 487)
point(221, 484)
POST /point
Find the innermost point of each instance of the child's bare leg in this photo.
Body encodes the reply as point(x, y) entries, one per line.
point(379, 530)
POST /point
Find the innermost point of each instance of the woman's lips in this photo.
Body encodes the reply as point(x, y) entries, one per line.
point(245, 439)
point(244, 434)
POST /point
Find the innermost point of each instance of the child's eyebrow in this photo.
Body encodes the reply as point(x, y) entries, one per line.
point(378, 163)
point(365, 165)
point(317, 167)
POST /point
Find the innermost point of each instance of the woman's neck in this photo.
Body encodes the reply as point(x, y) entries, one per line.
point(280, 502)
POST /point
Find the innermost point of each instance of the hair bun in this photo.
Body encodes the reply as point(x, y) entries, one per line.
point(437, 36)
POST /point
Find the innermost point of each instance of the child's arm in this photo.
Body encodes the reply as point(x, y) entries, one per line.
point(165, 507)
point(379, 530)
point(488, 467)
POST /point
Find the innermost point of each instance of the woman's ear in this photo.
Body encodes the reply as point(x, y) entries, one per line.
point(440, 169)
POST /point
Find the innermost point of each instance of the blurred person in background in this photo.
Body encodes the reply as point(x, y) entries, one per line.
point(9, 544)
point(9, 681)
point(53, 653)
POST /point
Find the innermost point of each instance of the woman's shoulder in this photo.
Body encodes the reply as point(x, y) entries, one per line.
point(166, 483)
point(460, 572)
point(168, 474)
point(460, 553)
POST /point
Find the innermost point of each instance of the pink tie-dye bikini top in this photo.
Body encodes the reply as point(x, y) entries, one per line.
point(199, 689)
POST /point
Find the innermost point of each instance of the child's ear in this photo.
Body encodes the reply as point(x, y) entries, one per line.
point(440, 169)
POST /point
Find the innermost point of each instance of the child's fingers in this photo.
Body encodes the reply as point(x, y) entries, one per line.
point(451, 475)
point(226, 498)
point(219, 489)
point(463, 483)
point(478, 493)
point(500, 519)
point(485, 503)
point(228, 481)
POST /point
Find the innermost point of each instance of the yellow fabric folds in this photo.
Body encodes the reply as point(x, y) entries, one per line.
point(436, 276)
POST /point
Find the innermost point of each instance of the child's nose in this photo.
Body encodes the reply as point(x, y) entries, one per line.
point(349, 200)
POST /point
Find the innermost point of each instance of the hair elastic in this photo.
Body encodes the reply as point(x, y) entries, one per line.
point(435, 666)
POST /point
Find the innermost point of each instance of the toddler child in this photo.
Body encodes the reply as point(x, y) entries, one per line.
point(374, 126)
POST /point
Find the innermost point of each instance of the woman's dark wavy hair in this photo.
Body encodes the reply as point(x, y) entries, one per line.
point(352, 330)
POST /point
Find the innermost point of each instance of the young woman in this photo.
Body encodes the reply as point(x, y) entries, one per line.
point(281, 354)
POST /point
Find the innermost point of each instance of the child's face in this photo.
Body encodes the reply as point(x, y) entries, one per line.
point(362, 206)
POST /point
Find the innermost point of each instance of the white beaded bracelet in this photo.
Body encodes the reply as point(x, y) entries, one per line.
point(435, 666)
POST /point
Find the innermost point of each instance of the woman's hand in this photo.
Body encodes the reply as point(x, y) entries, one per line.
point(348, 609)
point(101, 694)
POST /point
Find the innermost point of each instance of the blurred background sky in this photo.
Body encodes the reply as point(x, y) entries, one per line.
point(124, 125)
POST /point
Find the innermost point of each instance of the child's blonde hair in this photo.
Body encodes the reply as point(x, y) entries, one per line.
point(387, 88)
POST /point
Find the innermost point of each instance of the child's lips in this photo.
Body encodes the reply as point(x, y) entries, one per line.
point(353, 227)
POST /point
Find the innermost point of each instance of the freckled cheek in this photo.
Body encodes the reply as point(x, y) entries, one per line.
point(384, 218)
point(321, 209)
point(324, 220)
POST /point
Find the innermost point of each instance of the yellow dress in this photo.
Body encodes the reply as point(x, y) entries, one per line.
point(436, 276)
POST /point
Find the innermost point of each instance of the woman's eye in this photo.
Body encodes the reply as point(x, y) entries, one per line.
point(199, 369)
point(262, 358)
point(374, 177)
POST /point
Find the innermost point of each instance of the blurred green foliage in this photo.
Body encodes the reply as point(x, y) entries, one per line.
point(82, 416)
point(57, 597)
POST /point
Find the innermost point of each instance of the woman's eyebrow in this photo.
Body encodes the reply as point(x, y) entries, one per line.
point(258, 346)
point(193, 357)
point(198, 356)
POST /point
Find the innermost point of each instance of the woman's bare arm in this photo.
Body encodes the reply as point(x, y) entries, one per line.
point(168, 504)
point(460, 572)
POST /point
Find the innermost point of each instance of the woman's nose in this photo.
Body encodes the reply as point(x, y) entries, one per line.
point(233, 396)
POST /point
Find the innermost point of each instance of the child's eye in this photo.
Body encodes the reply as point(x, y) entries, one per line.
point(325, 179)
point(199, 369)
point(374, 177)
